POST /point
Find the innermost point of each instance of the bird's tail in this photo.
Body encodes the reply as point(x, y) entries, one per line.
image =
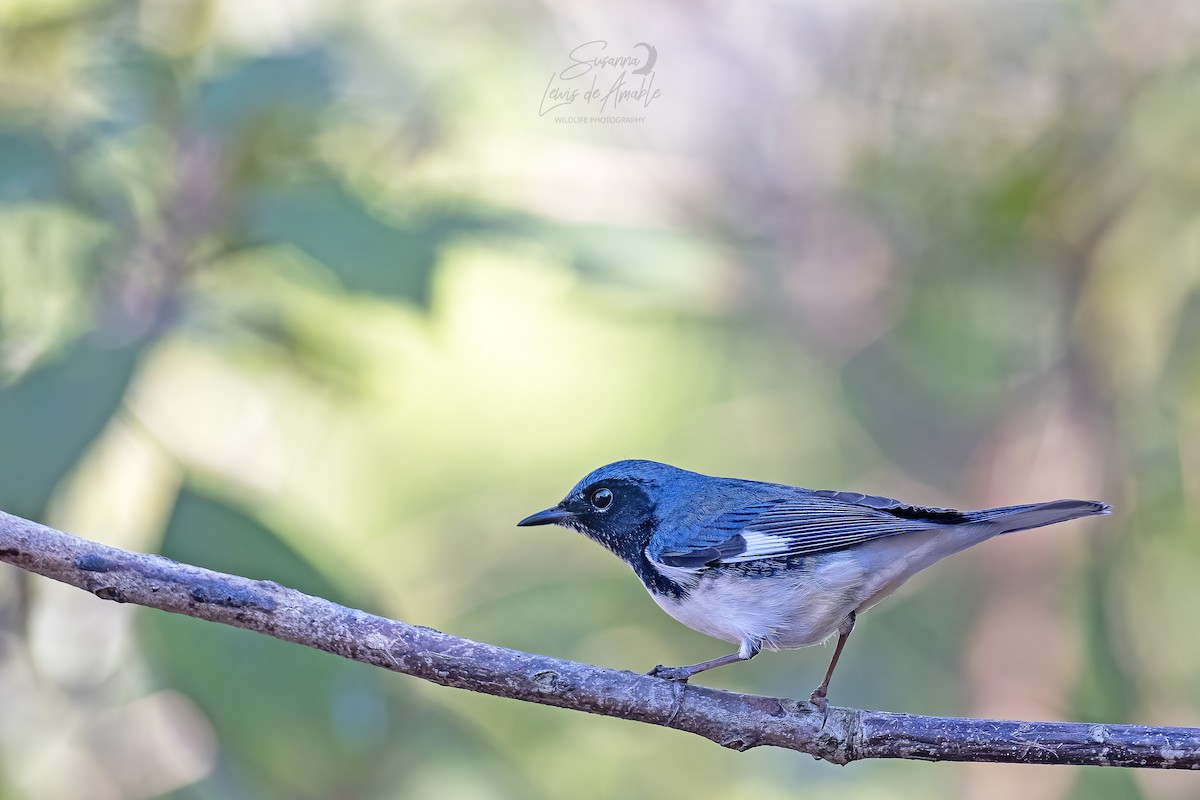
point(1008, 519)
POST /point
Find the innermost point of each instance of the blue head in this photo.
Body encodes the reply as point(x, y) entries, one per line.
point(620, 505)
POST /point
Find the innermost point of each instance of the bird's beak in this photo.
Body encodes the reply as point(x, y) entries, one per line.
point(551, 516)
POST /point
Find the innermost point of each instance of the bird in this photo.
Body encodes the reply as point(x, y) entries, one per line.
point(768, 566)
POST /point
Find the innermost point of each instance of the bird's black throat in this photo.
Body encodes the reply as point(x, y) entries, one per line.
point(625, 530)
point(631, 548)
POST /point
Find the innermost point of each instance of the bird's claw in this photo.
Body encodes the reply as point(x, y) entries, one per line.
point(820, 702)
point(678, 674)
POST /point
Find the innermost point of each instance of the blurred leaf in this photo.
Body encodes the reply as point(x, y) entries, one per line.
point(264, 113)
point(207, 532)
point(50, 415)
point(645, 257)
point(305, 723)
point(293, 717)
point(31, 169)
point(366, 253)
point(295, 86)
point(142, 86)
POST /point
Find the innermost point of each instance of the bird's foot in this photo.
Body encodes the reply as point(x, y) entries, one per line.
point(820, 702)
point(679, 674)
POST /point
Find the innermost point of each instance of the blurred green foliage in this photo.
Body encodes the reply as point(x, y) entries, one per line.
point(310, 292)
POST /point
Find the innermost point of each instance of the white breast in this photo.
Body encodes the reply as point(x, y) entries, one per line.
point(782, 611)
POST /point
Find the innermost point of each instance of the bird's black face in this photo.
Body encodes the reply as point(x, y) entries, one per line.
point(616, 512)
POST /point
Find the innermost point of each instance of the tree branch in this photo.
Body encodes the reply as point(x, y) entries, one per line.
point(732, 720)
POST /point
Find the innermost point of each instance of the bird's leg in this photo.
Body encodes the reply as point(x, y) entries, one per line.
point(747, 651)
point(818, 696)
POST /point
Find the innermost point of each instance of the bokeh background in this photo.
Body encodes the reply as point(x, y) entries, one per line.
point(312, 291)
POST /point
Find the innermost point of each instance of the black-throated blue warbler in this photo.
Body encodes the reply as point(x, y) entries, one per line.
point(764, 565)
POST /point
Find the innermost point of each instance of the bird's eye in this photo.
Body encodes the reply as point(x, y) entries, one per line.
point(602, 499)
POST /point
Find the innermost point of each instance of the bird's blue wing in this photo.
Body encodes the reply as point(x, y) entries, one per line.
point(814, 522)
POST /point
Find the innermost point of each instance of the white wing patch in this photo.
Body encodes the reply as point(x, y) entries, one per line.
point(760, 545)
point(814, 527)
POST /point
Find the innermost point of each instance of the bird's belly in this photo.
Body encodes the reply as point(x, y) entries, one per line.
point(786, 610)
